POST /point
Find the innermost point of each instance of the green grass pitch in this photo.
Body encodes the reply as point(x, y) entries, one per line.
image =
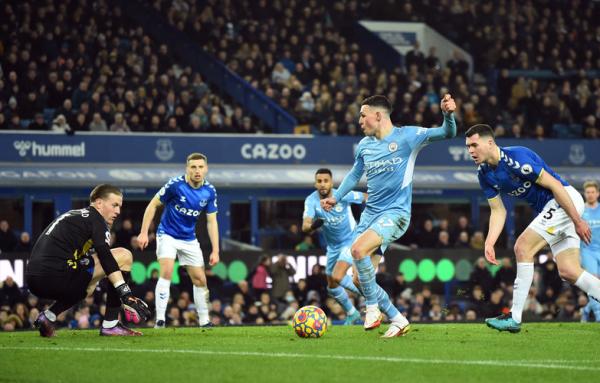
point(542, 352)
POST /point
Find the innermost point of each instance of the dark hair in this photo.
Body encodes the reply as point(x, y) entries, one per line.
point(378, 101)
point(324, 171)
point(482, 129)
point(196, 156)
point(103, 190)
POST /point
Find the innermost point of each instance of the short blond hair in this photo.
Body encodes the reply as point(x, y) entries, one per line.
point(591, 184)
point(196, 156)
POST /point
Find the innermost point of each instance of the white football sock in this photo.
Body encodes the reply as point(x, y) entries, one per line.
point(161, 297)
point(201, 302)
point(589, 284)
point(521, 289)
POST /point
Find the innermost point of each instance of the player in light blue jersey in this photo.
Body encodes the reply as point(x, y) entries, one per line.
point(388, 156)
point(337, 227)
point(519, 172)
point(184, 198)
point(590, 254)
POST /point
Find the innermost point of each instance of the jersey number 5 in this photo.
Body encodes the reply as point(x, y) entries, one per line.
point(548, 214)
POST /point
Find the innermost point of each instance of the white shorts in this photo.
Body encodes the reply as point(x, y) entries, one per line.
point(556, 227)
point(188, 252)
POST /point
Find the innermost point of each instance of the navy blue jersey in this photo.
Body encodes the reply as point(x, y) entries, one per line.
point(515, 175)
point(183, 205)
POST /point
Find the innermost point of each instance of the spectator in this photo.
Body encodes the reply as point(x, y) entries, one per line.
point(98, 124)
point(24, 243)
point(8, 239)
point(481, 276)
point(38, 123)
point(280, 272)
point(260, 275)
point(60, 124)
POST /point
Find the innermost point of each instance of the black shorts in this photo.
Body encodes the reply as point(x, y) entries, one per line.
point(70, 287)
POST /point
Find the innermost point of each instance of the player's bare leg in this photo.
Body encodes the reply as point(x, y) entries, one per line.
point(201, 294)
point(569, 268)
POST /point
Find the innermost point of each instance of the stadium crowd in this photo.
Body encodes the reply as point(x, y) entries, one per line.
point(95, 70)
point(70, 66)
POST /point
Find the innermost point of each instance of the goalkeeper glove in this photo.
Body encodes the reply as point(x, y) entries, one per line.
point(317, 223)
point(136, 310)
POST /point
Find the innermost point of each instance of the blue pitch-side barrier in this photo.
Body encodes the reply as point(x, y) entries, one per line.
point(107, 148)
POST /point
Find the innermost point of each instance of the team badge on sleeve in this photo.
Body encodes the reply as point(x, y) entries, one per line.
point(526, 169)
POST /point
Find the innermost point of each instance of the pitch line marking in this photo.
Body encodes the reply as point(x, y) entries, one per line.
point(542, 364)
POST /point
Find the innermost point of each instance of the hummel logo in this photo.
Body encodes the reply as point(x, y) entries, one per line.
point(182, 199)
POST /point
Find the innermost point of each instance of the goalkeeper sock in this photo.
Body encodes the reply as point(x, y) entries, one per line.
point(341, 296)
point(521, 289)
point(113, 304)
point(366, 276)
point(162, 297)
point(201, 302)
point(589, 284)
point(349, 285)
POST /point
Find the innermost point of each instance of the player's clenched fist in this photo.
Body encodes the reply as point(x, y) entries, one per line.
point(448, 105)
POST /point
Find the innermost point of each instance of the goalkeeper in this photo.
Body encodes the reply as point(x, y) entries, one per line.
point(338, 225)
point(72, 255)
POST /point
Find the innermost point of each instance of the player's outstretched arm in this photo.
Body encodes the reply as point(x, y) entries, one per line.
point(561, 196)
point(149, 214)
point(448, 128)
point(497, 220)
point(212, 226)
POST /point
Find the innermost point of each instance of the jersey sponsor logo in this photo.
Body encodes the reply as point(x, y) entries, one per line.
point(520, 190)
point(164, 149)
point(273, 151)
point(392, 147)
point(380, 166)
point(47, 150)
point(186, 212)
point(526, 169)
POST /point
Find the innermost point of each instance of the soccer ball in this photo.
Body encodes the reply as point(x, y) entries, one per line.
point(310, 322)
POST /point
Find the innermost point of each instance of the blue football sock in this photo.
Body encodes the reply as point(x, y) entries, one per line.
point(347, 283)
point(595, 307)
point(341, 296)
point(366, 277)
point(385, 303)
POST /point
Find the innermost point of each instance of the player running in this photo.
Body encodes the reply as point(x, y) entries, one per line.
point(388, 155)
point(338, 224)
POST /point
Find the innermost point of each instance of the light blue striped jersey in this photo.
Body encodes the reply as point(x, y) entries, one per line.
point(338, 222)
point(389, 164)
point(183, 205)
point(592, 217)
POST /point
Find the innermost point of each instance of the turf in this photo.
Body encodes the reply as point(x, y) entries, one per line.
point(542, 352)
